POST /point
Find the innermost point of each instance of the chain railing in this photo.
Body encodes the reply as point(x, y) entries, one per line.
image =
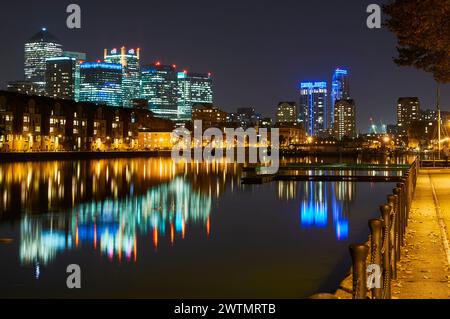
point(387, 237)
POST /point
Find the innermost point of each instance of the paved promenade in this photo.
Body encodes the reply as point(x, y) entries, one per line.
point(424, 270)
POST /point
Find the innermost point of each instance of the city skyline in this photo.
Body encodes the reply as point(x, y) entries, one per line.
point(275, 76)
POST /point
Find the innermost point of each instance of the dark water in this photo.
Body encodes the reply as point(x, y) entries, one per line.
point(150, 228)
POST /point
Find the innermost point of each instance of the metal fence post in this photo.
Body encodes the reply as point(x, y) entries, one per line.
point(376, 241)
point(359, 254)
point(385, 214)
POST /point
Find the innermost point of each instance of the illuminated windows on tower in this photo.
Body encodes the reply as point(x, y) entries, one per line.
point(130, 61)
point(340, 90)
point(159, 88)
point(101, 83)
point(38, 49)
point(60, 78)
point(313, 107)
point(193, 88)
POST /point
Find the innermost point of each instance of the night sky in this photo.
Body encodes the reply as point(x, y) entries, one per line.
point(258, 51)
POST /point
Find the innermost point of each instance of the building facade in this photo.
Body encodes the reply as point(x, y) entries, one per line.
point(60, 75)
point(24, 87)
point(130, 61)
point(344, 119)
point(159, 88)
point(287, 112)
point(408, 110)
point(210, 115)
point(80, 58)
point(193, 88)
point(101, 83)
point(37, 123)
point(313, 108)
point(38, 49)
point(340, 90)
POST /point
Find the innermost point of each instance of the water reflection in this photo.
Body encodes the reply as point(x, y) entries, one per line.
point(112, 227)
point(123, 209)
point(319, 201)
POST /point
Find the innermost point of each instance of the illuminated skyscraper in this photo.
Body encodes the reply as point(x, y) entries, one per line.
point(79, 58)
point(38, 49)
point(101, 83)
point(193, 88)
point(130, 61)
point(313, 107)
point(159, 88)
point(60, 78)
point(340, 90)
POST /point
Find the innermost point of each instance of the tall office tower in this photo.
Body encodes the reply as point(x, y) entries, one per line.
point(193, 88)
point(313, 108)
point(287, 113)
point(60, 78)
point(79, 58)
point(130, 61)
point(42, 46)
point(408, 110)
point(340, 90)
point(101, 83)
point(344, 119)
point(159, 88)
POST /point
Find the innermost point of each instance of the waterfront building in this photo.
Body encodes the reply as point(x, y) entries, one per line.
point(340, 90)
point(42, 46)
point(101, 83)
point(287, 112)
point(60, 77)
point(37, 123)
point(193, 88)
point(210, 115)
point(155, 140)
point(408, 110)
point(313, 108)
point(130, 61)
point(159, 88)
point(344, 119)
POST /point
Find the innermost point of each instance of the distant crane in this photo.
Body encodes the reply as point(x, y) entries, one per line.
point(373, 127)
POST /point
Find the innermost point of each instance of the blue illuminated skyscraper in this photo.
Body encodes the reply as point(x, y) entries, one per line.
point(340, 90)
point(101, 83)
point(313, 108)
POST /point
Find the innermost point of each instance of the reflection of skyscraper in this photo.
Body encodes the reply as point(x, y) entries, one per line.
point(113, 226)
point(129, 59)
point(43, 45)
point(318, 200)
point(313, 107)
